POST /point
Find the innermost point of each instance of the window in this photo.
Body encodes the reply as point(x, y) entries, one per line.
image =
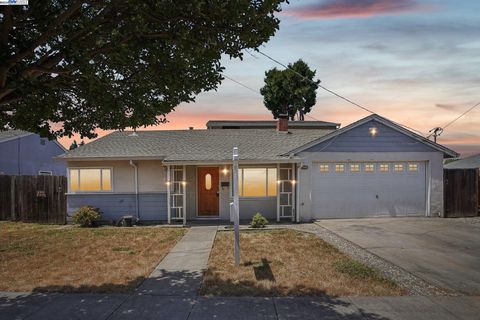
point(398, 167)
point(90, 179)
point(355, 168)
point(257, 182)
point(339, 168)
point(369, 167)
point(45, 173)
point(208, 181)
point(412, 167)
point(384, 167)
point(324, 168)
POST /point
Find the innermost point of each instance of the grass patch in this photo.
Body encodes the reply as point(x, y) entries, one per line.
point(289, 263)
point(48, 258)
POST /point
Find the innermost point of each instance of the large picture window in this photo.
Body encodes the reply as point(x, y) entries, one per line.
point(257, 182)
point(90, 179)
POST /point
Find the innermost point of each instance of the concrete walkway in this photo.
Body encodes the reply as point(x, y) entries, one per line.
point(148, 307)
point(180, 272)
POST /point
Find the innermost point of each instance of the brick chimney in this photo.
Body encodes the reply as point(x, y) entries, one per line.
point(282, 123)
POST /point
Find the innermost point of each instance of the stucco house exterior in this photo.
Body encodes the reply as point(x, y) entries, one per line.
point(26, 153)
point(295, 171)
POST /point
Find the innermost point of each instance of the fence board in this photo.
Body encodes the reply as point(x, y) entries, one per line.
point(35, 198)
point(461, 192)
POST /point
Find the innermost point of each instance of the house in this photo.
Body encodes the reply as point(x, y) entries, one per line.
point(297, 172)
point(472, 162)
point(26, 153)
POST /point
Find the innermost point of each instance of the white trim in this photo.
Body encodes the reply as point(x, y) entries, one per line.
point(169, 183)
point(184, 189)
point(278, 192)
point(101, 180)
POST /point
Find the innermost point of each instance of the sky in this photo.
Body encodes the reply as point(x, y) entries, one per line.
point(415, 62)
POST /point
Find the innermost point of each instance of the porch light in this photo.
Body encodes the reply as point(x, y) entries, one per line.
point(294, 181)
point(373, 131)
point(184, 183)
point(225, 171)
point(167, 183)
point(279, 181)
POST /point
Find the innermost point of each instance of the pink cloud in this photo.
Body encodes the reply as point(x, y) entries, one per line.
point(332, 9)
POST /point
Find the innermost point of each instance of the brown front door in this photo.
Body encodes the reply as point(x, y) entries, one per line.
point(208, 196)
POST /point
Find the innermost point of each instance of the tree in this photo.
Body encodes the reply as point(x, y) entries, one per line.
point(76, 65)
point(290, 91)
point(74, 145)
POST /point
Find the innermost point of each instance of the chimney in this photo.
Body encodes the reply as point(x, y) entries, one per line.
point(190, 128)
point(282, 123)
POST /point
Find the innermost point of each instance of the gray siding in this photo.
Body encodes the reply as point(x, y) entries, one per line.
point(152, 206)
point(266, 206)
point(359, 140)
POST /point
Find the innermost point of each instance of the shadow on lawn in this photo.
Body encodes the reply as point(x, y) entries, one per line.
point(128, 287)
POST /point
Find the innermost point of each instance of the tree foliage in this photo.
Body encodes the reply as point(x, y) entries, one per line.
point(288, 91)
point(76, 65)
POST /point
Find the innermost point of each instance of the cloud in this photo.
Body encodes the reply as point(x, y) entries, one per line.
point(333, 9)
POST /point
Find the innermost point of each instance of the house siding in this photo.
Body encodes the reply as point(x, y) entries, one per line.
point(152, 206)
point(27, 156)
point(359, 140)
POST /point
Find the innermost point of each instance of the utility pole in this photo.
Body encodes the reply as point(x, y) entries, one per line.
point(234, 207)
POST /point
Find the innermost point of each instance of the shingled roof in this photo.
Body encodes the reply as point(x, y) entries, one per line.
point(12, 134)
point(195, 145)
point(472, 162)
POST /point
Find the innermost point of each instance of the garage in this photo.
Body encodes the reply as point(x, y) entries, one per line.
point(368, 189)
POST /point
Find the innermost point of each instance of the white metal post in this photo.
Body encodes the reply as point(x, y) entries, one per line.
point(294, 199)
point(169, 213)
point(278, 192)
point(236, 207)
point(184, 191)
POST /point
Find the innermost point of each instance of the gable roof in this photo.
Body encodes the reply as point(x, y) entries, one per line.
point(446, 151)
point(471, 162)
point(195, 145)
point(12, 134)
point(269, 124)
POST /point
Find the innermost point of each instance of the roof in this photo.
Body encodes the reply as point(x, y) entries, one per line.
point(12, 134)
point(270, 124)
point(195, 145)
point(446, 151)
point(471, 162)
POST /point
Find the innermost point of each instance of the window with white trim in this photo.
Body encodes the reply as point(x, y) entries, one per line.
point(90, 179)
point(398, 167)
point(412, 167)
point(339, 168)
point(369, 167)
point(354, 167)
point(257, 182)
point(324, 168)
point(384, 167)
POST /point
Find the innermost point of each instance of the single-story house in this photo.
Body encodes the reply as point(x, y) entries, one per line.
point(472, 162)
point(26, 153)
point(288, 170)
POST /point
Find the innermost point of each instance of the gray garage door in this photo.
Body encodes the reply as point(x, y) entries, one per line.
point(354, 190)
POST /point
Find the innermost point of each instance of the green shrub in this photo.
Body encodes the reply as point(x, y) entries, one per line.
point(258, 221)
point(86, 215)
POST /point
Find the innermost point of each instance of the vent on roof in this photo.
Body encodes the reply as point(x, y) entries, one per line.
point(133, 134)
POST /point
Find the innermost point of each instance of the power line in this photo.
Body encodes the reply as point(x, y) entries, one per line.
point(451, 122)
point(437, 131)
point(333, 92)
point(243, 85)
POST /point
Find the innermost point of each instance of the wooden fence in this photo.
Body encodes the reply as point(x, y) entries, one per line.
point(33, 199)
point(461, 192)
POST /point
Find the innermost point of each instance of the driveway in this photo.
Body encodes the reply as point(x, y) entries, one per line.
point(444, 252)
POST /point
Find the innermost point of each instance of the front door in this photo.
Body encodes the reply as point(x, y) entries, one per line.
point(208, 197)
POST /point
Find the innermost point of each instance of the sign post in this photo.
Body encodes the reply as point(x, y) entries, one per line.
point(234, 207)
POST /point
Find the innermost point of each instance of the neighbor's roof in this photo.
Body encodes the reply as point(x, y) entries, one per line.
point(269, 124)
point(195, 145)
point(12, 134)
point(472, 162)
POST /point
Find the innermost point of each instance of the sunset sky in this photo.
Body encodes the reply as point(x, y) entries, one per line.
point(416, 62)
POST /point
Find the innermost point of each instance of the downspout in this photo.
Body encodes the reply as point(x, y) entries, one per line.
point(297, 200)
point(136, 189)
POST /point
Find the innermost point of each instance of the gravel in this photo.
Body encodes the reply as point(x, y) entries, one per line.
point(413, 284)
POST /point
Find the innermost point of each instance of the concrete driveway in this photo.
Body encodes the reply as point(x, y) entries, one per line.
point(444, 252)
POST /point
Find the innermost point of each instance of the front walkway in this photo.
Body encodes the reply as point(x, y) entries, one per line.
point(180, 272)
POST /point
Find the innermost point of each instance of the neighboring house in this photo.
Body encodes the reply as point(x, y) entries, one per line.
point(26, 153)
point(472, 162)
point(372, 167)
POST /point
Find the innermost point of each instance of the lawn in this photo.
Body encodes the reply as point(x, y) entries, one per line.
point(43, 258)
point(289, 263)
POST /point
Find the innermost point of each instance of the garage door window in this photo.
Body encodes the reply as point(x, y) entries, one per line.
point(412, 167)
point(398, 167)
point(324, 168)
point(369, 167)
point(384, 167)
point(339, 168)
point(354, 167)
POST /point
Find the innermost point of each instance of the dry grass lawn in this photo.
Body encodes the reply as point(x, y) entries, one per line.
point(289, 263)
point(71, 259)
